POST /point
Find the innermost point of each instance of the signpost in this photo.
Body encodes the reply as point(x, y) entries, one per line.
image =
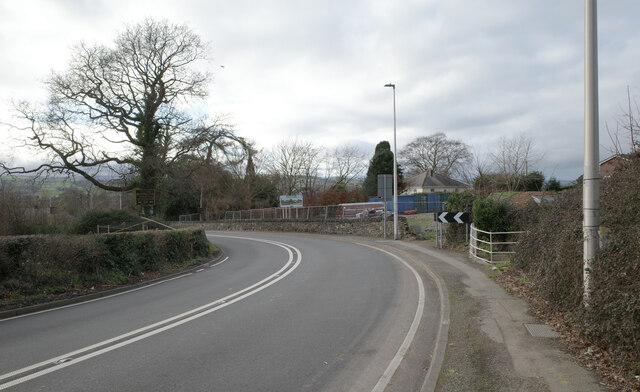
point(450, 217)
point(292, 201)
point(145, 198)
point(385, 191)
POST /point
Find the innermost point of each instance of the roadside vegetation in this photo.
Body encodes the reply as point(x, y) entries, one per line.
point(42, 267)
point(550, 258)
point(547, 267)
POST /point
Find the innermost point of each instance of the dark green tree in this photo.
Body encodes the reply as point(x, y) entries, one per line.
point(553, 185)
point(532, 181)
point(381, 163)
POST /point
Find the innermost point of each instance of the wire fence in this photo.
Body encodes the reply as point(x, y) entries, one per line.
point(407, 205)
point(331, 212)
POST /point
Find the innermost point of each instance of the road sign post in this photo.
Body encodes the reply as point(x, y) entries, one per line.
point(449, 217)
point(145, 198)
point(385, 191)
point(452, 217)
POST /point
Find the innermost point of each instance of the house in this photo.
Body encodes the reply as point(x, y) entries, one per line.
point(611, 164)
point(430, 182)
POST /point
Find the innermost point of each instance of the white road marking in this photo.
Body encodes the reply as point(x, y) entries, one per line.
point(219, 262)
point(404, 347)
point(156, 327)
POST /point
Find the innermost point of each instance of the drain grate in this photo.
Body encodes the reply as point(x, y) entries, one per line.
point(541, 331)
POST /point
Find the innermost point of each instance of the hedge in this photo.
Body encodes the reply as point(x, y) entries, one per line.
point(31, 265)
point(551, 256)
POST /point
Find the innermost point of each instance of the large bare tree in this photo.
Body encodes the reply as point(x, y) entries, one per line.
point(117, 112)
point(435, 152)
point(344, 164)
point(295, 165)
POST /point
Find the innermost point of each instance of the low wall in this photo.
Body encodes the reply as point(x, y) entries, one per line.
point(357, 227)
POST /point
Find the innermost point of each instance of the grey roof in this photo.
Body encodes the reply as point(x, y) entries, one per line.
point(432, 180)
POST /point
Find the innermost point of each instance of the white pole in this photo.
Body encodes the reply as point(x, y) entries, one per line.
point(591, 178)
point(395, 167)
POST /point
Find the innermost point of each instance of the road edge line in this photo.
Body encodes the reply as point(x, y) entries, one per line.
point(393, 366)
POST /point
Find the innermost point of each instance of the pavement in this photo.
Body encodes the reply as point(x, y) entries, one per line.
point(489, 347)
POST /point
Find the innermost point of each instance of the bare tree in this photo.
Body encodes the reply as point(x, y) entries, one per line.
point(435, 152)
point(628, 122)
point(513, 159)
point(614, 137)
point(295, 164)
point(478, 168)
point(116, 110)
point(345, 163)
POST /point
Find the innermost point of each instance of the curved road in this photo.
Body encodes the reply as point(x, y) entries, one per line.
point(277, 313)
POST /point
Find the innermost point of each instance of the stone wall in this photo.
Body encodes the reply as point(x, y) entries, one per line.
point(358, 227)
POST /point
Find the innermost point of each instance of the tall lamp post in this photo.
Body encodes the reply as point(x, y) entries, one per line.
point(591, 179)
point(395, 167)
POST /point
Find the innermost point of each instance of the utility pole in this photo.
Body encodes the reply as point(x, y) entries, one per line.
point(395, 167)
point(591, 183)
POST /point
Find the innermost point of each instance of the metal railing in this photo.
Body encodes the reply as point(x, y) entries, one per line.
point(189, 218)
point(486, 244)
point(146, 224)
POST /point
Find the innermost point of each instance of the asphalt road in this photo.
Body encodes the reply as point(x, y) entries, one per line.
point(278, 313)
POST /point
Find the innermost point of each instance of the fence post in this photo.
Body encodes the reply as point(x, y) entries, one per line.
point(470, 241)
point(466, 232)
point(491, 246)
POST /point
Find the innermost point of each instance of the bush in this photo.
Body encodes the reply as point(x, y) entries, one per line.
point(493, 214)
point(43, 264)
point(553, 185)
point(551, 255)
point(461, 202)
point(458, 202)
point(88, 223)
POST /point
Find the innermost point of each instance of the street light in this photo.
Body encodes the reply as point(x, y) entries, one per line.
point(591, 179)
point(395, 167)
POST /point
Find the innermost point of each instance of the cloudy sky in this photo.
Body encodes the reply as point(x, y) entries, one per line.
point(477, 70)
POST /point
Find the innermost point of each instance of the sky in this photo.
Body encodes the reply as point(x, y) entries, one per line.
point(315, 70)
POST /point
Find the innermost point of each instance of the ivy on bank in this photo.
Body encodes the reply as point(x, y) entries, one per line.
point(42, 265)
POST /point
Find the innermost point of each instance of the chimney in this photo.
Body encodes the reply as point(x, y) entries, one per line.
point(430, 173)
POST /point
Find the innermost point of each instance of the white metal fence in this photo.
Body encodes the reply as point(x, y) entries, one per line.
point(189, 218)
point(492, 247)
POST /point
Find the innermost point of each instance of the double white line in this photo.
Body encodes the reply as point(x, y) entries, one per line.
point(71, 358)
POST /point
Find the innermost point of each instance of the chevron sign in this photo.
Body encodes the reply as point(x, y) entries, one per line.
point(452, 217)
